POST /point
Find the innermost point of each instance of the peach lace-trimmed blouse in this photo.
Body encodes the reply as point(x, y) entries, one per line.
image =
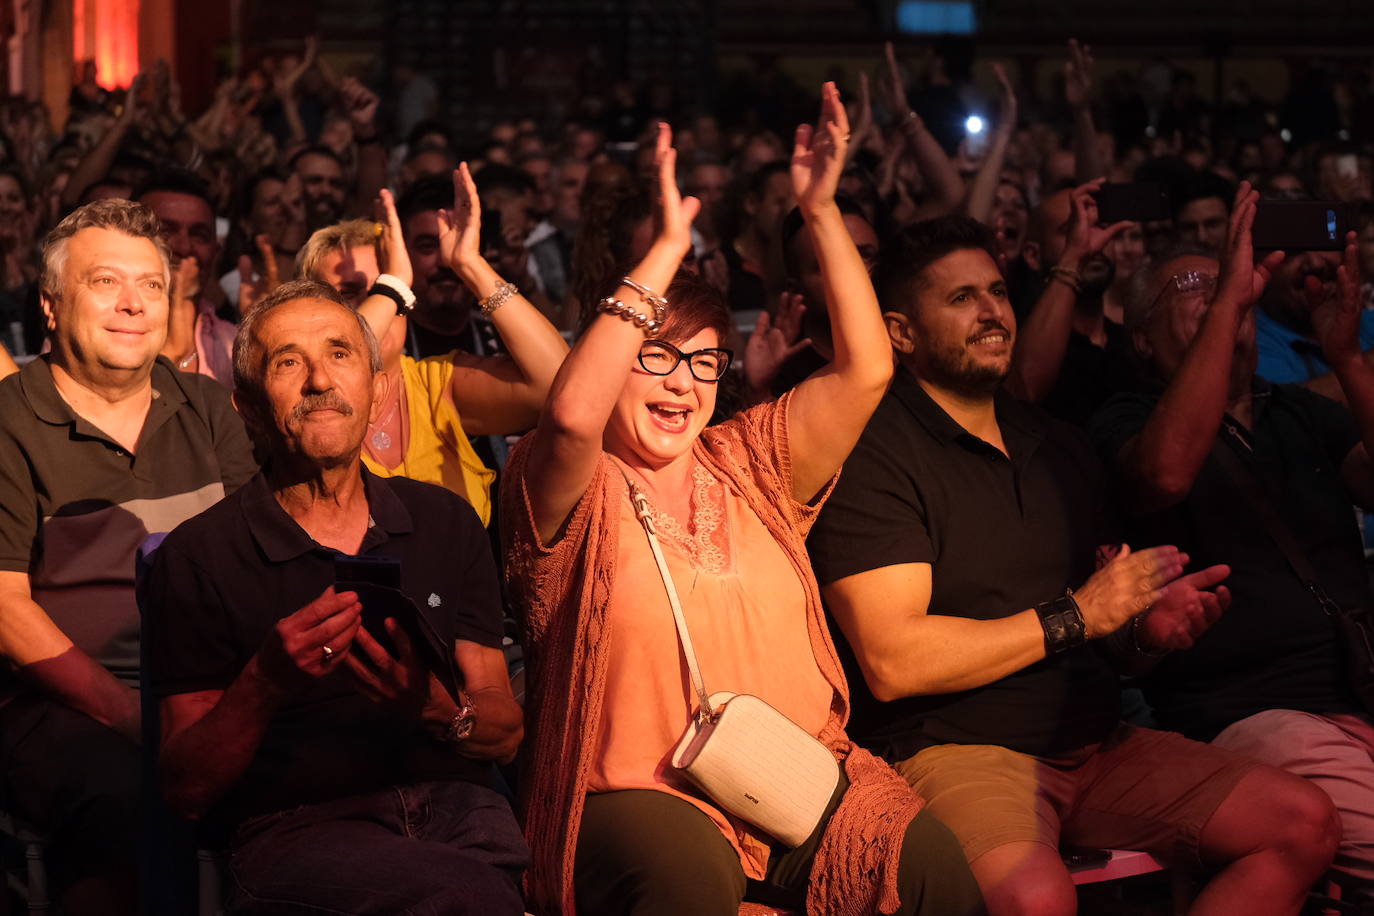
point(747, 613)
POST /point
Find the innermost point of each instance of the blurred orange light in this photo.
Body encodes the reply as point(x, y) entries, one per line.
point(107, 31)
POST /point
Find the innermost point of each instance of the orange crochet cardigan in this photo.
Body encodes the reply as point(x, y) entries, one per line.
point(562, 591)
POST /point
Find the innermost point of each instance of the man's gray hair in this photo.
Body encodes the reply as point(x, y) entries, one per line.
point(249, 359)
point(1142, 290)
point(120, 215)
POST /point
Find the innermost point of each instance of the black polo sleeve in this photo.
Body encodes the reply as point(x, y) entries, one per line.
point(1120, 420)
point(188, 642)
point(1333, 424)
point(876, 517)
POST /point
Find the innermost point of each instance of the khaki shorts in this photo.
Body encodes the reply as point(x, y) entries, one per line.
point(1139, 789)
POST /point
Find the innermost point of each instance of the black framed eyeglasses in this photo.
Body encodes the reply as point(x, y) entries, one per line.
point(658, 357)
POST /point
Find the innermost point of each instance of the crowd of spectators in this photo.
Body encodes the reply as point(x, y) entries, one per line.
point(308, 335)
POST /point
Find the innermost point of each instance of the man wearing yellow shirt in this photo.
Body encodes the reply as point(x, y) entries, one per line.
point(433, 405)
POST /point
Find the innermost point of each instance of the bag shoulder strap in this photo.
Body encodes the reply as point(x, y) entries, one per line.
point(641, 504)
point(1254, 491)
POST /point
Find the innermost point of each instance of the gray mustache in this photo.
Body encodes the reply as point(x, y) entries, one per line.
point(327, 400)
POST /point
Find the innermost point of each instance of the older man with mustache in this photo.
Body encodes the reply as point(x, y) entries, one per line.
point(335, 737)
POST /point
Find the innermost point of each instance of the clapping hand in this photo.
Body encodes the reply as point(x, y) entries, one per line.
point(1008, 110)
point(252, 291)
point(1185, 611)
point(1127, 585)
point(1336, 315)
point(1242, 280)
point(818, 154)
point(893, 87)
point(1078, 75)
point(863, 125)
point(361, 104)
point(394, 257)
point(460, 229)
point(675, 212)
point(773, 342)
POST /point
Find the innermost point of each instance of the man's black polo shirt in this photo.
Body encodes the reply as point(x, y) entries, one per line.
point(75, 505)
point(1274, 648)
point(1090, 375)
point(1001, 536)
point(223, 579)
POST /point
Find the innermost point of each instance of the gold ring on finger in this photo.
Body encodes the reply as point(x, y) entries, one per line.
point(327, 653)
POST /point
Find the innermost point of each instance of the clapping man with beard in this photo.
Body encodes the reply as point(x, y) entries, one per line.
point(1070, 357)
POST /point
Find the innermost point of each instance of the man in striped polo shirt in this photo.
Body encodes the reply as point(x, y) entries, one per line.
point(101, 444)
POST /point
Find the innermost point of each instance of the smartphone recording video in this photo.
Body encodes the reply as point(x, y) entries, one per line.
point(1300, 225)
point(1139, 201)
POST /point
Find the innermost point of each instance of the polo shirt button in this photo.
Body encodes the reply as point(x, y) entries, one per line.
point(120, 452)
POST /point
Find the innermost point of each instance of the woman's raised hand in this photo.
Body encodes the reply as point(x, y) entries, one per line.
point(675, 212)
point(395, 257)
point(460, 229)
point(818, 154)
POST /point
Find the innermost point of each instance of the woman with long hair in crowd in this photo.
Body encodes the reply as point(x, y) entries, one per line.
point(615, 828)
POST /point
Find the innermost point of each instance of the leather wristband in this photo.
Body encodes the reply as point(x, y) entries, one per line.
point(1063, 624)
point(396, 290)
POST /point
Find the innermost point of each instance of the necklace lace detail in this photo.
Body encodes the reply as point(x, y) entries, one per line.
point(706, 544)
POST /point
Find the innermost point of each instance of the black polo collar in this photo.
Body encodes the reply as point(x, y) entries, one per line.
point(1022, 429)
point(281, 539)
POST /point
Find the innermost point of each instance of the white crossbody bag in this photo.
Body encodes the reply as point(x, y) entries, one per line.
point(750, 759)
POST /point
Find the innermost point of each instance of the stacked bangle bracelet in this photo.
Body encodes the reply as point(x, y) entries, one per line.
point(650, 325)
point(1070, 278)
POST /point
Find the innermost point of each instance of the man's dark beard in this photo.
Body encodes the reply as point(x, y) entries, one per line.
point(446, 316)
point(952, 368)
point(1098, 271)
point(321, 212)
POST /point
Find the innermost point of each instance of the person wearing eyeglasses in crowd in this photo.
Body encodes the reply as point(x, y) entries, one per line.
point(615, 829)
point(1267, 680)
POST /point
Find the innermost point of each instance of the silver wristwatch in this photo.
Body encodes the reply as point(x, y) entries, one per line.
point(464, 720)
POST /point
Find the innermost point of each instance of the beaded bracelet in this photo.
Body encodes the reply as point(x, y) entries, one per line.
point(650, 326)
point(497, 298)
point(1070, 278)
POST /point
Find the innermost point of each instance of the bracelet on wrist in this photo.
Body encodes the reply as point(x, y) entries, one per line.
point(1136, 621)
point(395, 289)
point(464, 720)
point(1069, 277)
point(498, 297)
point(612, 306)
point(649, 296)
point(1062, 621)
